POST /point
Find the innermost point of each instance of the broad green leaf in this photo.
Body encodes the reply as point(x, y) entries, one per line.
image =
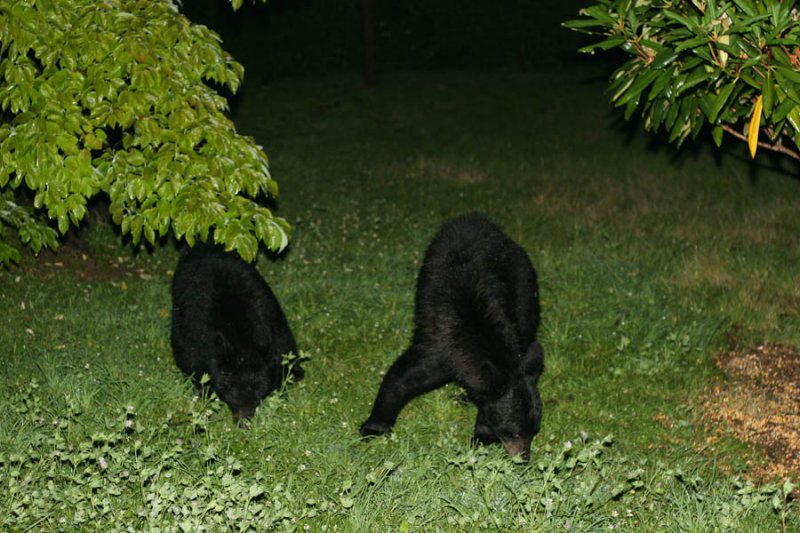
point(720, 101)
point(680, 19)
point(661, 87)
point(599, 13)
point(581, 24)
point(634, 91)
point(659, 109)
point(789, 74)
point(769, 95)
point(663, 59)
point(793, 117)
point(717, 133)
point(694, 42)
point(607, 44)
point(631, 107)
point(698, 76)
point(704, 101)
point(747, 6)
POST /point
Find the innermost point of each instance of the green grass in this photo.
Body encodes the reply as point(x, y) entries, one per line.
point(650, 261)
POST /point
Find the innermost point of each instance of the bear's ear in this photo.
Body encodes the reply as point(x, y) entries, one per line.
point(533, 361)
point(486, 383)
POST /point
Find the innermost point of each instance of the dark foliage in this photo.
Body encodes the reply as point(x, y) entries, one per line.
point(314, 36)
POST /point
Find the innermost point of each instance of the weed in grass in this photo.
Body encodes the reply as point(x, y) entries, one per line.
point(134, 476)
point(126, 473)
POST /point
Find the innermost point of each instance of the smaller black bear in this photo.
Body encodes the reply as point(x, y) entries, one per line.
point(475, 321)
point(227, 323)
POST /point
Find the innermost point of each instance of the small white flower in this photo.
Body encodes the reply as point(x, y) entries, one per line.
point(103, 464)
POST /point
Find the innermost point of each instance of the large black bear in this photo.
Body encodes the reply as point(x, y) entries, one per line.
point(476, 317)
point(227, 323)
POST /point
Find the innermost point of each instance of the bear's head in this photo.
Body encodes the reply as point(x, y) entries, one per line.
point(242, 376)
point(515, 416)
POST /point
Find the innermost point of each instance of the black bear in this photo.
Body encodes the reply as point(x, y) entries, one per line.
point(227, 323)
point(475, 321)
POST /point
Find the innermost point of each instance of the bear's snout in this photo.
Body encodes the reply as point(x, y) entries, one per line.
point(518, 447)
point(242, 416)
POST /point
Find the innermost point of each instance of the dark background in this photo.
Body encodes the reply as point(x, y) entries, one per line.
point(306, 37)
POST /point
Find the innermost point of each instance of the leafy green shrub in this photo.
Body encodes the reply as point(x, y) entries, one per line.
point(732, 65)
point(114, 98)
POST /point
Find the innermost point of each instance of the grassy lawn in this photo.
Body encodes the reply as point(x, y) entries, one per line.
point(650, 261)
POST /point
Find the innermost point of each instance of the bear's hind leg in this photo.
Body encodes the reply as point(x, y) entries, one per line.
point(414, 373)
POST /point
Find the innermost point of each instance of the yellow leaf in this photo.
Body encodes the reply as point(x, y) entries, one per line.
point(752, 131)
point(722, 54)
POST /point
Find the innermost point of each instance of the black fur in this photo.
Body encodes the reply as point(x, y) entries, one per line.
point(227, 323)
point(476, 318)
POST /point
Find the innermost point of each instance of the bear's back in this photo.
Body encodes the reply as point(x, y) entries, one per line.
point(215, 292)
point(478, 286)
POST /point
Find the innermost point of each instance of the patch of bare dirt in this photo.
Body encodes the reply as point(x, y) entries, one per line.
point(77, 257)
point(760, 403)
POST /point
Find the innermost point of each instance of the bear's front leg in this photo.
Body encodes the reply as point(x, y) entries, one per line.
point(484, 434)
point(414, 373)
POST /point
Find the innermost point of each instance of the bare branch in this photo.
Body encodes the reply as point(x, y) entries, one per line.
point(774, 147)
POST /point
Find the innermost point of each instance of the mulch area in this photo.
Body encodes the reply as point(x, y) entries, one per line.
point(75, 255)
point(760, 404)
